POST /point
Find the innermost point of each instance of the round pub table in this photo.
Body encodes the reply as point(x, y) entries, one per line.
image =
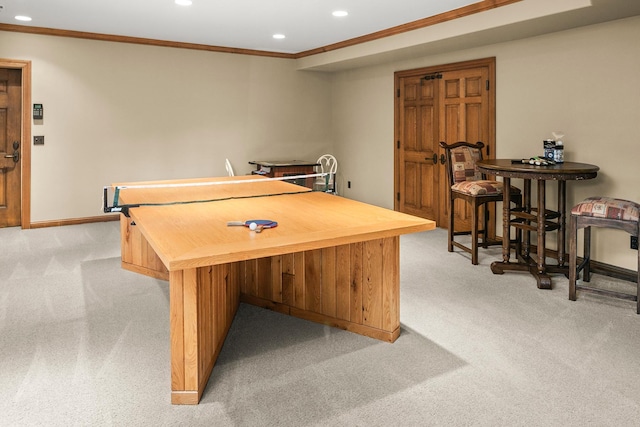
point(538, 219)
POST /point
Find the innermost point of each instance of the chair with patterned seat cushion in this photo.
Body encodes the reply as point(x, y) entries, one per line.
point(604, 212)
point(467, 183)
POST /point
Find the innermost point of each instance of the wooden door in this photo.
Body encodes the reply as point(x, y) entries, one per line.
point(453, 102)
point(464, 116)
point(10, 146)
point(419, 190)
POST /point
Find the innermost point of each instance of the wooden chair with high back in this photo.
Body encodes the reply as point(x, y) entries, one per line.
point(467, 183)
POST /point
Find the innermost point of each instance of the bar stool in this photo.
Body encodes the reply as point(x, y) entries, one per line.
point(605, 212)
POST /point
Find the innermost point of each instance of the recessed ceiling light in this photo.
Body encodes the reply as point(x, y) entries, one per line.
point(278, 36)
point(184, 2)
point(340, 13)
point(23, 18)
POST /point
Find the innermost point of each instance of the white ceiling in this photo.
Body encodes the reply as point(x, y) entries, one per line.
point(307, 24)
point(245, 24)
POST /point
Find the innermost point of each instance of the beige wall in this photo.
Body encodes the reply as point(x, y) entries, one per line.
point(116, 112)
point(583, 81)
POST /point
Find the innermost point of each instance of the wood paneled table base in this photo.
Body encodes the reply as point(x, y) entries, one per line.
point(538, 219)
point(330, 260)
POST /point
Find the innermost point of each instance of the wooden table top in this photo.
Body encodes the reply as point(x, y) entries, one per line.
point(187, 235)
point(560, 171)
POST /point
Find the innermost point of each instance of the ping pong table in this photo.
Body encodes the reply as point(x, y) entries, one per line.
point(330, 260)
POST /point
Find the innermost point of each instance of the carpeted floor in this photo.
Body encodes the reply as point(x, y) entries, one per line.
point(83, 342)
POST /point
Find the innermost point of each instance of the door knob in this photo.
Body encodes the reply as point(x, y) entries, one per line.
point(15, 156)
point(434, 158)
point(443, 159)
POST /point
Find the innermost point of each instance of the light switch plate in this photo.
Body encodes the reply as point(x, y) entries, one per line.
point(38, 140)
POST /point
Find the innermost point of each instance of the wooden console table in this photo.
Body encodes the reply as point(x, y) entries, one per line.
point(281, 168)
point(538, 219)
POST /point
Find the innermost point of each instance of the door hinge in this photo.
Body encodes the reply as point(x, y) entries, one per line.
point(398, 196)
point(398, 143)
point(488, 85)
point(488, 151)
point(398, 93)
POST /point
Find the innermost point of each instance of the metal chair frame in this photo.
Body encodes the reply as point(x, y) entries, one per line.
point(328, 164)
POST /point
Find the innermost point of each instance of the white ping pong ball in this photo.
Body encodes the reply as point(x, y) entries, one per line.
point(253, 226)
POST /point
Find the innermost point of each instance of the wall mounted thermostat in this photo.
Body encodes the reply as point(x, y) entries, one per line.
point(38, 112)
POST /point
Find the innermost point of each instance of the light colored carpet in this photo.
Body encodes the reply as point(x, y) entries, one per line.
point(84, 342)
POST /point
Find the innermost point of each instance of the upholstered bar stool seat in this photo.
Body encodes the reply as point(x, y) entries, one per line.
point(605, 212)
point(479, 188)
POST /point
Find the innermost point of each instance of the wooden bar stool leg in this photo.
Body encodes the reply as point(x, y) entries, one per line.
point(474, 235)
point(450, 231)
point(485, 224)
point(638, 284)
point(573, 245)
point(586, 272)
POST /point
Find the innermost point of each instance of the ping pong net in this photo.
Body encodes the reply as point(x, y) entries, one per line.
point(201, 190)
